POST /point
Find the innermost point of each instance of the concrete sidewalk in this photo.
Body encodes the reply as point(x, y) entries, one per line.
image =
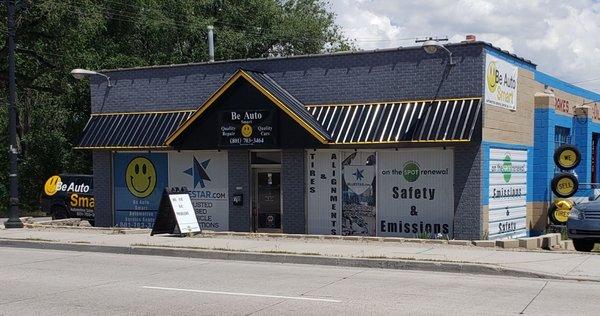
point(298, 249)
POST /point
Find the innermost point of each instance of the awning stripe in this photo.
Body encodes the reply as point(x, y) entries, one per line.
point(131, 130)
point(415, 121)
point(118, 120)
point(440, 120)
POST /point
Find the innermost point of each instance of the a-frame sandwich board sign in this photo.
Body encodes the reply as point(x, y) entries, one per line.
point(175, 214)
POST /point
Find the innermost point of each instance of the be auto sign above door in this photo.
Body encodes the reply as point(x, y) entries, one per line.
point(246, 128)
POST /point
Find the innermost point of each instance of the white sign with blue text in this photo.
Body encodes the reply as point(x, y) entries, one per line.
point(205, 175)
point(507, 193)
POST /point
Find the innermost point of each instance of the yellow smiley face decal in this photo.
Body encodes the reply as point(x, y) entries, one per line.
point(246, 130)
point(50, 186)
point(140, 177)
point(491, 77)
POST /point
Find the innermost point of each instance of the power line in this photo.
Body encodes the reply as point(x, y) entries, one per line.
point(243, 26)
point(586, 80)
point(261, 28)
point(136, 18)
point(139, 18)
point(123, 17)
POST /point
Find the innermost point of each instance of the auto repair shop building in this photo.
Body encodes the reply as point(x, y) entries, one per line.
point(393, 142)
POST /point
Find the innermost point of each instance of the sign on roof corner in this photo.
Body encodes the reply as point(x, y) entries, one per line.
point(501, 81)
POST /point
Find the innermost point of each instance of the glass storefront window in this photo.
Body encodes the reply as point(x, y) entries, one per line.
point(265, 158)
point(594, 165)
point(562, 136)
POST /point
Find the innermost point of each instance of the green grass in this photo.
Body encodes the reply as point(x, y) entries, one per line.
point(24, 213)
point(423, 236)
point(227, 249)
point(558, 229)
point(29, 239)
point(291, 253)
point(38, 239)
point(186, 247)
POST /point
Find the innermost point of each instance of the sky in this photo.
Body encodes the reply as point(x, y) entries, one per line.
point(561, 37)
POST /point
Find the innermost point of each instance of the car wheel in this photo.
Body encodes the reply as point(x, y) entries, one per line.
point(59, 212)
point(583, 245)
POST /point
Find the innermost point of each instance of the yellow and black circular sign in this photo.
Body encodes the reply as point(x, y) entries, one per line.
point(491, 77)
point(567, 157)
point(559, 211)
point(564, 185)
point(562, 216)
point(246, 130)
point(50, 187)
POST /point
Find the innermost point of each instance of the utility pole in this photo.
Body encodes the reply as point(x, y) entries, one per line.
point(13, 205)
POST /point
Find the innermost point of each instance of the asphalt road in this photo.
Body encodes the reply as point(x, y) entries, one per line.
point(40, 282)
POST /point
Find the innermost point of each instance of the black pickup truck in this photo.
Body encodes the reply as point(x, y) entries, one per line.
point(69, 195)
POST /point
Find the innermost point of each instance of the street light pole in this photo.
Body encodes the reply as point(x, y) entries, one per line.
point(13, 205)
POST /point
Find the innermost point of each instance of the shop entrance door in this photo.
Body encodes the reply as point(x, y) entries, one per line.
point(266, 202)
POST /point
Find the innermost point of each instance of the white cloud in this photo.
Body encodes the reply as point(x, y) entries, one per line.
point(561, 37)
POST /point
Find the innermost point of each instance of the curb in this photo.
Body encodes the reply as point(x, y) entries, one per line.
point(114, 230)
point(547, 242)
point(378, 263)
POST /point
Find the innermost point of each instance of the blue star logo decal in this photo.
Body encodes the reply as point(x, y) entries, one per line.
point(359, 174)
point(198, 171)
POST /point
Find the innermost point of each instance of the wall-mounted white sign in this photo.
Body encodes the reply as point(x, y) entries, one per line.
point(359, 215)
point(415, 195)
point(501, 81)
point(507, 193)
point(204, 174)
point(324, 192)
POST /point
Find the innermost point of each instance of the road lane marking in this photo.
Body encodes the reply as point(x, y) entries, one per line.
point(242, 294)
point(533, 299)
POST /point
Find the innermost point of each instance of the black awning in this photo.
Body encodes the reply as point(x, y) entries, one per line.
point(417, 121)
point(131, 130)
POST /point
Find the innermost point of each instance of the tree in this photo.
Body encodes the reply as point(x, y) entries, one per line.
point(55, 36)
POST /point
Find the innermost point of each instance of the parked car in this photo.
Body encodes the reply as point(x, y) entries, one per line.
point(68, 196)
point(583, 226)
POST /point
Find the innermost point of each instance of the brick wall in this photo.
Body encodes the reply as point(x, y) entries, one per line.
point(468, 213)
point(393, 75)
point(513, 127)
point(239, 177)
point(548, 115)
point(293, 190)
point(408, 74)
point(102, 162)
